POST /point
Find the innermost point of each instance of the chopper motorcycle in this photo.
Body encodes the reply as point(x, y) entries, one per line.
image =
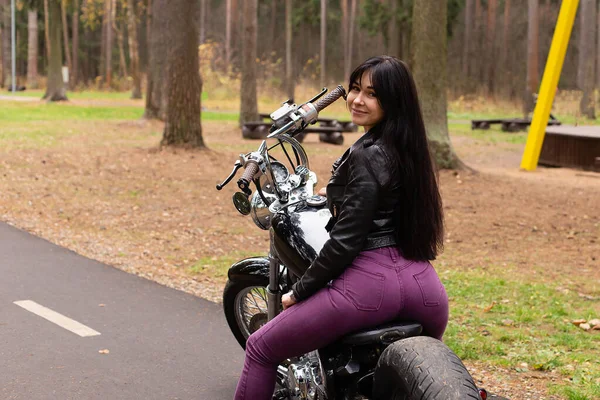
point(389, 362)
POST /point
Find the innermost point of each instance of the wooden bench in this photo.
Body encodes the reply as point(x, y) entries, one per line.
point(329, 129)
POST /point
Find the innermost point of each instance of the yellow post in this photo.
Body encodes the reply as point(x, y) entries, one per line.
point(556, 57)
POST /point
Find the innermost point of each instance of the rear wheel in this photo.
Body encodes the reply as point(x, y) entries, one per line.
point(245, 304)
point(422, 368)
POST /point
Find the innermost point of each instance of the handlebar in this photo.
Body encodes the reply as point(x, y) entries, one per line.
point(247, 176)
point(335, 94)
point(289, 119)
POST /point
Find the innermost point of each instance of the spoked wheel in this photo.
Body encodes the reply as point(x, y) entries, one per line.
point(246, 304)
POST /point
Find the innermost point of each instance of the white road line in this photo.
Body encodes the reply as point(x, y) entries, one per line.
point(59, 319)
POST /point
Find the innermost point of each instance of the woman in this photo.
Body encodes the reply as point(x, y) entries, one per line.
point(386, 225)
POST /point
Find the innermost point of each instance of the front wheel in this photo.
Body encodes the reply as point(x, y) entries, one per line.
point(245, 304)
point(422, 368)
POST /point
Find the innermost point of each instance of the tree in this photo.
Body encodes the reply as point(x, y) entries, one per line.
point(228, 26)
point(184, 85)
point(467, 41)
point(248, 104)
point(598, 56)
point(429, 68)
point(75, 56)
point(63, 14)
point(134, 57)
point(588, 57)
point(532, 82)
point(55, 89)
point(490, 43)
point(323, 41)
point(504, 51)
point(156, 101)
point(6, 46)
point(32, 49)
point(289, 71)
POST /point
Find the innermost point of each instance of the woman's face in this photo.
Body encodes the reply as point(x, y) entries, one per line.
point(363, 104)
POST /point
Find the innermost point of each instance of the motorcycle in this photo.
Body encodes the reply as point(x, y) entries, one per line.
point(393, 361)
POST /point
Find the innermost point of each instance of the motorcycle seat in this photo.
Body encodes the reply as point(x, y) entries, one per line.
point(384, 334)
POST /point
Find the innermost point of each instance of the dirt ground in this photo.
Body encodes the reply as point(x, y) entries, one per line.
point(107, 192)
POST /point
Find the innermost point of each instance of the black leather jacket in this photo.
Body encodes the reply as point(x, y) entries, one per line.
point(362, 194)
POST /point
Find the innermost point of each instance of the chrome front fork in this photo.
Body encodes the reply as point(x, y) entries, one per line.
point(273, 290)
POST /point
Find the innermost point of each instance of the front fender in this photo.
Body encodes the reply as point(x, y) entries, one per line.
point(253, 266)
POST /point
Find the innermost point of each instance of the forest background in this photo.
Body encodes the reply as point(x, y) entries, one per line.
point(496, 48)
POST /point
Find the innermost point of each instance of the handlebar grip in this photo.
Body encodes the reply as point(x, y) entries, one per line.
point(335, 94)
point(249, 173)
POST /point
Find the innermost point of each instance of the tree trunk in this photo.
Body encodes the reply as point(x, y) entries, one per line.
point(348, 66)
point(156, 99)
point(323, 41)
point(75, 57)
point(532, 83)
point(248, 105)
point(228, 26)
point(184, 85)
point(272, 23)
point(344, 29)
point(1, 45)
point(598, 57)
point(289, 70)
point(478, 64)
point(55, 89)
point(134, 56)
point(121, 44)
point(504, 52)
point(393, 31)
point(202, 26)
point(467, 41)
point(490, 43)
point(47, 29)
point(6, 46)
point(32, 49)
point(63, 14)
point(429, 67)
point(109, 43)
point(588, 14)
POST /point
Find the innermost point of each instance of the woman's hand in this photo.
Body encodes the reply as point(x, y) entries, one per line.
point(322, 192)
point(288, 300)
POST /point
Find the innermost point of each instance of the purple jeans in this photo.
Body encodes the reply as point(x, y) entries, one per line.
point(379, 286)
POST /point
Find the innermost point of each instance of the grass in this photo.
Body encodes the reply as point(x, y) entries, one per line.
point(218, 266)
point(524, 326)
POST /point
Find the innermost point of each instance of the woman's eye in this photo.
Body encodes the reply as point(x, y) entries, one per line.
point(372, 94)
point(355, 89)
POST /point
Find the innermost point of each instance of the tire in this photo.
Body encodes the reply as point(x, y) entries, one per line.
point(422, 368)
point(234, 296)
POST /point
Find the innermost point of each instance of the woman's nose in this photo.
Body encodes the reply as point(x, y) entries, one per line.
point(358, 99)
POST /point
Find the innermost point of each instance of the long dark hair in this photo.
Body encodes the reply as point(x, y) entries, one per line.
point(419, 214)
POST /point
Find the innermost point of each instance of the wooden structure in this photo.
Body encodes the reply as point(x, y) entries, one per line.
point(329, 129)
point(510, 124)
point(572, 147)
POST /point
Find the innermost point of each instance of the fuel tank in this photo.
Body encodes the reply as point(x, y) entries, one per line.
point(299, 234)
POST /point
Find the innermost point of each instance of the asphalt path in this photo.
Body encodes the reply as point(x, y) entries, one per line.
point(153, 342)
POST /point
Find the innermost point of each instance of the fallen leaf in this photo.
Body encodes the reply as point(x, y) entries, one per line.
point(489, 308)
point(578, 322)
point(594, 322)
point(585, 327)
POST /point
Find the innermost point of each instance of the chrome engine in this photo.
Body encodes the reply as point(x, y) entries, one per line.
point(306, 378)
